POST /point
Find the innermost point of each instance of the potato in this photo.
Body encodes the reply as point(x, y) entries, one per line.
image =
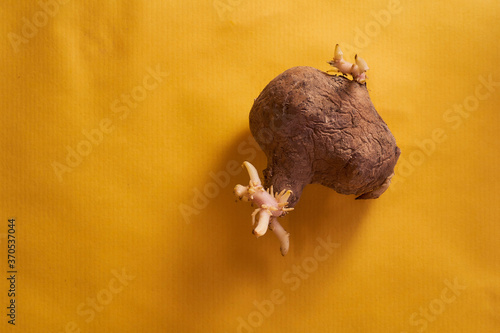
point(316, 128)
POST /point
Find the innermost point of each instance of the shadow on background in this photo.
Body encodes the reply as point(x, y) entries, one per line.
point(224, 264)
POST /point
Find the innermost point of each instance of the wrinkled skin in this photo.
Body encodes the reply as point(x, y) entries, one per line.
point(317, 128)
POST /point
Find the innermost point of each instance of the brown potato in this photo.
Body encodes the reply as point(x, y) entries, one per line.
point(318, 128)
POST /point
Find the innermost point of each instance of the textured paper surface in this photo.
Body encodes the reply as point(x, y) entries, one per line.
point(123, 128)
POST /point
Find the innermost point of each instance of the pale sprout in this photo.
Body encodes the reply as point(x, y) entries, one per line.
point(269, 205)
point(357, 70)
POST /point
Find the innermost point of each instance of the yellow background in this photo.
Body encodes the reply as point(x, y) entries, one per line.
point(120, 208)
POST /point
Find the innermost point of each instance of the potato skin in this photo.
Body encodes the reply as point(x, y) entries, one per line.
point(318, 128)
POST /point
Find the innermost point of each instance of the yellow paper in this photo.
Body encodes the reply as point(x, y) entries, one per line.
point(124, 125)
